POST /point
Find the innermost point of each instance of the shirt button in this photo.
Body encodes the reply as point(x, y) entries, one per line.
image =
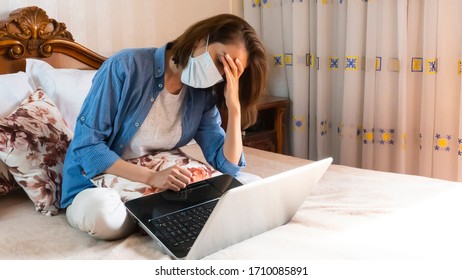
point(160, 85)
point(82, 118)
point(137, 124)
point(121, 146)
point(159, 70)
point(152, 99)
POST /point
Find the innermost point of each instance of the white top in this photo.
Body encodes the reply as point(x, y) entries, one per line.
point(161, 130)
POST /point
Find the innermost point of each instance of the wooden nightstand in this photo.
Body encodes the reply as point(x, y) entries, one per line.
point(267, 133)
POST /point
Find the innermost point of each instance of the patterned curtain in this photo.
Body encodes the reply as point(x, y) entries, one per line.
point(375, 84)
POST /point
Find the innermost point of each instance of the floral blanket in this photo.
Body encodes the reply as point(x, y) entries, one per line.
point(156, 161)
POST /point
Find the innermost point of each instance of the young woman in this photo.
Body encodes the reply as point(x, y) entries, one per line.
point(159, 99)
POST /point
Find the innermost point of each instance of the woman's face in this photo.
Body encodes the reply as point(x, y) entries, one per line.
point(217, 50)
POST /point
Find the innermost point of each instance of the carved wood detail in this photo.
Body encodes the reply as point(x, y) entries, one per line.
point(29, 29)
point(29, 32)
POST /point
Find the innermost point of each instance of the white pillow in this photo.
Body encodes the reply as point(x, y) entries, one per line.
point(66, 87)
point(14, 88)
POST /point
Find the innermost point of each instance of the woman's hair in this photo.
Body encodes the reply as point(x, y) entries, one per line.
point(229, 29)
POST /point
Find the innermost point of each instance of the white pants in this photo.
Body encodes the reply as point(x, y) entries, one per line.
point(246, 178)
point(101, 213)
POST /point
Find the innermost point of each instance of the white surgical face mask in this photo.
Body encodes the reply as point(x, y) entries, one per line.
point(201, 71)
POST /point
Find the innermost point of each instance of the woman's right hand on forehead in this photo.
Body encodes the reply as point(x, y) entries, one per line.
point(233, 70)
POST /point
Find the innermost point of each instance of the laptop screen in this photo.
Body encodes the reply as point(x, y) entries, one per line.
point(192, 195)
point(156, 205)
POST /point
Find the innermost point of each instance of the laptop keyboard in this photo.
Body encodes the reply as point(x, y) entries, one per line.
point(182, 228)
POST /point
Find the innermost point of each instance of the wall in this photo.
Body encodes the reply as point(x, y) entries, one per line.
point(106, 26)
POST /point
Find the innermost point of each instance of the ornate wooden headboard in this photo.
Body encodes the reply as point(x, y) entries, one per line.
point(29, 33)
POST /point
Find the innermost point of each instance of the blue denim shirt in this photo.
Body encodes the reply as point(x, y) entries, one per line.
point(122, 93)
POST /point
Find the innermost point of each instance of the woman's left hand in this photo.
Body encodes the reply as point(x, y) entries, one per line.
point(233, 71)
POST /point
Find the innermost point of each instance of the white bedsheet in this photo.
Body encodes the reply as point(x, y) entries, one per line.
point(352, 214)
point(363, 214)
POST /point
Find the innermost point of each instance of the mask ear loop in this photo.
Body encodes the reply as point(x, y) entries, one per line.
point(206, 46)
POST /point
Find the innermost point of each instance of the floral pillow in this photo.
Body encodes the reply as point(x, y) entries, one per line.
point(7, 182)
point(33, 144)
point(156, 161)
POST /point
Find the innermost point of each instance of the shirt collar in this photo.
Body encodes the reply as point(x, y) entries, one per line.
point(160, 61)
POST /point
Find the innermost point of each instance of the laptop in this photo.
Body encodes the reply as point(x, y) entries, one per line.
point(210, 215)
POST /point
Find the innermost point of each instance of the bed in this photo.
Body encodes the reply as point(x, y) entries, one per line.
point(351, 214)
